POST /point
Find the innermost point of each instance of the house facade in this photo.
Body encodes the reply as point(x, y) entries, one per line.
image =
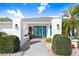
point(43, 26)
point(39, 27)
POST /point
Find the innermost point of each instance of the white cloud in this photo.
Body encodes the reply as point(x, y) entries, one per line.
point(15, 13)
point(42, 7)
point(25, 3)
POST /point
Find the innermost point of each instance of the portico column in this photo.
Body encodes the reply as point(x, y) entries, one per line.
point(48, 31)
point(18, 26)
point(56, 24)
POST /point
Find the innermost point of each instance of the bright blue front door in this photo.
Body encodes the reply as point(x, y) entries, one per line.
point(39, 31)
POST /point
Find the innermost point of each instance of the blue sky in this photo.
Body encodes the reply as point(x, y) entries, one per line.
point(33, 9)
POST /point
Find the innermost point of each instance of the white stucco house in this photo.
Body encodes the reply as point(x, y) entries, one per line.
point(39, 27)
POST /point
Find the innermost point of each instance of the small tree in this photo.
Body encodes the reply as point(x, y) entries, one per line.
point(71, 23)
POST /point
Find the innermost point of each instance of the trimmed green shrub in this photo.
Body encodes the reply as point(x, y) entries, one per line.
point(61, 45)
point(9, 44)
point(3, 34)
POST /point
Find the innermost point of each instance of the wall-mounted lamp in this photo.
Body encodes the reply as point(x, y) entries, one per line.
point(16, 26)
point(58, 27)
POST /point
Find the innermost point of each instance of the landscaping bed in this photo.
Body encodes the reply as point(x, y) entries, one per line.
point(49, 47)
point(75, 50)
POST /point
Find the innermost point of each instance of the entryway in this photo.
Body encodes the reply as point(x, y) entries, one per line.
point(39, 31)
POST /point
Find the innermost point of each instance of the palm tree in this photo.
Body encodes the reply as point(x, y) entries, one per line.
point(70, 23)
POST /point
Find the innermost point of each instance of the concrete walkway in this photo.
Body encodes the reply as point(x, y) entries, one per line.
point(37, 48)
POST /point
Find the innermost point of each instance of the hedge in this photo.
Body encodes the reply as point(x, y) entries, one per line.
point(9, 44)
point(61, 45)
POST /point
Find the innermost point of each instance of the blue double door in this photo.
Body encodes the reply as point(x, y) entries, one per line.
point(39, 31)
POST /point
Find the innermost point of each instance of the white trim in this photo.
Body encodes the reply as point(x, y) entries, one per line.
point(37, 22)
point(27, 22)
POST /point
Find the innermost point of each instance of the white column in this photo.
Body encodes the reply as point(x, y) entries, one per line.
point(48, 31)
point(18, 28)
point(21, 33)
point(56, 25)
point(25, 29)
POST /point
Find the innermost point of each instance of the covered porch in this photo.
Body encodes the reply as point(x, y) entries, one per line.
point(38, 27)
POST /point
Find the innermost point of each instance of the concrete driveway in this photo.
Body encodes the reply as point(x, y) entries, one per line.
point(37, 48)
